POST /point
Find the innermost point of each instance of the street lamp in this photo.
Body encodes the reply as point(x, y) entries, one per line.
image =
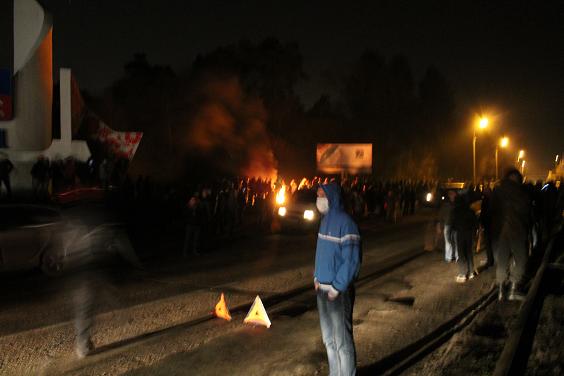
point(523, 167)
point(503, 143)
point(482, 124)
point(521, 155)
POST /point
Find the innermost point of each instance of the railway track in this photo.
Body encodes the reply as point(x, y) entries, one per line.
point(513, 359)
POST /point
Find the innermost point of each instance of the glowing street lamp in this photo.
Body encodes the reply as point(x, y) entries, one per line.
point(521, 155)
point(523, 167)
point(482, 124)
point(503, 143)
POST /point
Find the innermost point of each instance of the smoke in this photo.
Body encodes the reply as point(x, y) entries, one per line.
point(231, 124)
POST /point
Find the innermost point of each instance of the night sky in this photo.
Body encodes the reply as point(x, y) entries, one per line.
point(501, 58)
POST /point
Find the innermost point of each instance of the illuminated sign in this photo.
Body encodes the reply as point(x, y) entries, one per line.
point(351, 158)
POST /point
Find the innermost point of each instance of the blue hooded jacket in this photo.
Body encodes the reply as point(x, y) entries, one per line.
point(338, 253)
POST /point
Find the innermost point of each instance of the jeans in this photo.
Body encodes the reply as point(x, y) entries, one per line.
point(451, 250)
point(335, 318)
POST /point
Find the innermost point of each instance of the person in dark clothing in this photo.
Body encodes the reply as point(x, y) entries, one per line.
point(194, 217)
point(6, 168)
point(40, 177)
point(445, 219)
point(464, 224)
point(511, 213)
point(486, 222)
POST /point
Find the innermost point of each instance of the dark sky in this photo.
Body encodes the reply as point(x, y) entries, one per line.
point(504, 58)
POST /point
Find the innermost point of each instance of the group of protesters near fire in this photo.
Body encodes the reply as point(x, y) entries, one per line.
point(512, 222)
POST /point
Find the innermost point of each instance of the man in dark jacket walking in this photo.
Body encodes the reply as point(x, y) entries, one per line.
point(337, 264)
point(511, 214)
point(464, 224)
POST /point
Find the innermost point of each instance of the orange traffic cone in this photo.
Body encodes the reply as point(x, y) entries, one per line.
point(221, 309)
point(257, 314)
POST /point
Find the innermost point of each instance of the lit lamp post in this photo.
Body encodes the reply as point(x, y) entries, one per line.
point(523, 167)
point(482, 124)
point(521, 155)
point(503, 142)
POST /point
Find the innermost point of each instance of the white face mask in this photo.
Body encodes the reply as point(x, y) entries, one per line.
point(322, 204)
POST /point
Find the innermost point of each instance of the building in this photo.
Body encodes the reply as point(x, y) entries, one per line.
point(26, 97)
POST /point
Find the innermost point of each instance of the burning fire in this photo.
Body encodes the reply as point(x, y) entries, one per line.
point(221, 309)
point(257, 314)
point(281, 195)
point(304, 184)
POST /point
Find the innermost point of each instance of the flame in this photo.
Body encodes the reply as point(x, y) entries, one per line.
point(257, 314)
point(221, 309)
point(281, 195)
point(304, 184)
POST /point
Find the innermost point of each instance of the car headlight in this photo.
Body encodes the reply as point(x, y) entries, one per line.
point(309, 215)
point(282, 211)
point(429, 197)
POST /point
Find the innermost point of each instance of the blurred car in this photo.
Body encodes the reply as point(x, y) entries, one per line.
point(29, 238)
point(34, 236)
point(435, 197)
point(299, 211)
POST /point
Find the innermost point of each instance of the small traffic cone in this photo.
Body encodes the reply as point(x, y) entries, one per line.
point(257, 314)
point(221, 309)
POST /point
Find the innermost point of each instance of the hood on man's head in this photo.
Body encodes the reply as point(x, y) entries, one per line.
point(333, 193)
point(513, 174)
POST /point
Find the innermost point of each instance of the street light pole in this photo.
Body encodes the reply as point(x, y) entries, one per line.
point(474, 156)
point(496, 163)
point(483, 123)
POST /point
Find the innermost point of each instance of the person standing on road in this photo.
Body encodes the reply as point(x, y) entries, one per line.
point(486, 222)
point(464, 224)
point(40, 177)
point(337, 264)
point(445, 218)
point(195, 220)
point(6, 168)
point(511, 215)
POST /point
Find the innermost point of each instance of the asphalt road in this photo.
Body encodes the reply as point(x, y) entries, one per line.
point(36, 312)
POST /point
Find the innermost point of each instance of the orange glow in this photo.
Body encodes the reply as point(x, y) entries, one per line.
point(257, 314)
point(304, 184)
point(281, 195)
point(221, 309)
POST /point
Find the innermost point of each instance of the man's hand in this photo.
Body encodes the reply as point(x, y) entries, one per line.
point(332, 294)
point(316, 284)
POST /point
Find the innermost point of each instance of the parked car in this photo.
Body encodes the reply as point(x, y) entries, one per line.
point(29, 238)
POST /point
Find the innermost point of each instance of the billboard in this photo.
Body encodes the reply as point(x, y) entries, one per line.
point(338, 158)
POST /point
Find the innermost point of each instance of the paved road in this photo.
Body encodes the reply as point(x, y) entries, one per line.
point(36, 314)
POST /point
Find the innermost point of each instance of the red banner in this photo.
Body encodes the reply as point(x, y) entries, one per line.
point(121, 144)
point(5, 107)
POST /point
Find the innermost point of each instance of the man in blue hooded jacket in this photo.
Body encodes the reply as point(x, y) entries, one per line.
point(337, 263)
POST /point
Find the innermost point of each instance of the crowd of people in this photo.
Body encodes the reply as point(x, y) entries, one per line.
point(512, 223)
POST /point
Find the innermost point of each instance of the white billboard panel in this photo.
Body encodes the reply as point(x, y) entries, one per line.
point(351, 158)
